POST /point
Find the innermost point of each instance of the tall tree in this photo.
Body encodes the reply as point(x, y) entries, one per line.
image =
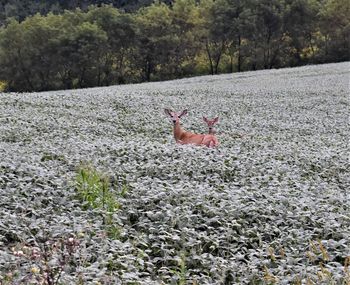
point(213, 32)
point(28, 54)
point(15, 65)
point(235, 22)
point(185, 14)
point(156, 40)
point(120, 30)
point(268, 37)
point(300, 20)
point(335, 28)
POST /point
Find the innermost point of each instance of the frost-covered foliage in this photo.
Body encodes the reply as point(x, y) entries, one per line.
point(270, 205)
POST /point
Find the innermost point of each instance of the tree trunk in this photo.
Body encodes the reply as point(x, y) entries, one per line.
point(26, 72)
point(255, 57)
point(267, 51)
point(210, 59)
point(81, 78)
point(148, 70)
point(239, 60)
point(218, 58)
point(121, 79)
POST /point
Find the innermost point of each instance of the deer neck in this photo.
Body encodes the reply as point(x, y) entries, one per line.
point(178, 131)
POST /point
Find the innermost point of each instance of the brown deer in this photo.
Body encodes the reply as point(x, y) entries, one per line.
point(211, 124)
point(212, 131)
point(183, 137)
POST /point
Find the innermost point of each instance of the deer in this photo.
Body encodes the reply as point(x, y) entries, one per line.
point(183, 137)
point(211, 124)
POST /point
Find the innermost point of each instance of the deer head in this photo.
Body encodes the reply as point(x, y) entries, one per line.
point(175, 117)
point(211, 124)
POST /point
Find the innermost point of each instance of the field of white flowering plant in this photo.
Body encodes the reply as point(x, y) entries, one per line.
point(94, 190)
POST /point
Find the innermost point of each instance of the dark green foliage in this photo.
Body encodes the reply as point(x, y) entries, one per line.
point(100, 45)
point(20, 9)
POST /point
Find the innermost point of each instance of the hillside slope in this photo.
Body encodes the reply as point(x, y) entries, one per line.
point(271, 204)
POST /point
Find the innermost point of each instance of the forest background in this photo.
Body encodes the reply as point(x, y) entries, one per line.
point(50, 45)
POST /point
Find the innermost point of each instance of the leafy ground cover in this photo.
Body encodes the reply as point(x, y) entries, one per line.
point(269, 206)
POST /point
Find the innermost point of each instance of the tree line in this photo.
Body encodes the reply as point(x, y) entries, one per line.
point(103, 45)
point(20, 9)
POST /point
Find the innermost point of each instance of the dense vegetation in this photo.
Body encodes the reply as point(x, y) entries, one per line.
point(101, 45)
point(94, 189)
point(24, 8)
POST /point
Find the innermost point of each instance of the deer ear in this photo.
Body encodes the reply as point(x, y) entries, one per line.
point(184, 112)
point(216, 120)
point(205, 119)
point(167, 112)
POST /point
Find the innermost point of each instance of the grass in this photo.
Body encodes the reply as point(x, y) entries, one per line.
point(94, 189)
